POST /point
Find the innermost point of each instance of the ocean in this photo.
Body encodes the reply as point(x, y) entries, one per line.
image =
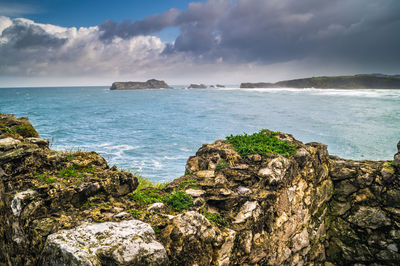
point(153, 132)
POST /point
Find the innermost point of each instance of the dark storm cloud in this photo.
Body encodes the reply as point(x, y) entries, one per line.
point(197, 23)
point(23, 35)
point(127, 29)
point(270, 31)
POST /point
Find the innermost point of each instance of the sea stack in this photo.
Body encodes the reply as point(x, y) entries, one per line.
point(197, 86)
point(137, 85)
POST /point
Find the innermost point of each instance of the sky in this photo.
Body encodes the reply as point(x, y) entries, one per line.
point(77, 42)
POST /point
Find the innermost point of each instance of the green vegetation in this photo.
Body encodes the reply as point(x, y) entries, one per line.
point(69, 172)
point(179, 200)
point(190, 183)
point(157, 230)
point(44, 177)
point(135, 213)
point(263, 143)
point(9, 130)
point(76, 171)
point(215, 218)
point(147, 196)
point(147, 183)
point(189, 172)
point(390, 164)
point(148, 193)
point(221, 165)
point(26, 130)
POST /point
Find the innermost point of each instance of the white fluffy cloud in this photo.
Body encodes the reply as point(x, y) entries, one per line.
point(32, 49)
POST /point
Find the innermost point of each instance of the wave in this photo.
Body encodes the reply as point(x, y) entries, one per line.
point(368, 93)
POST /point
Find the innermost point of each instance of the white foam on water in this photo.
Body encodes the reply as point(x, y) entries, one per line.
point(367, 93)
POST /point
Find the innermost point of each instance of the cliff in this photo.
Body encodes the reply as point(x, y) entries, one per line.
point(131, 85)
point(263, 199)
point(338, 82)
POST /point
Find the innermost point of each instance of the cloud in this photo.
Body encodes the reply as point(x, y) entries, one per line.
point(284, 38)
point(32, 49)
point(276, 31)
point(126, 29)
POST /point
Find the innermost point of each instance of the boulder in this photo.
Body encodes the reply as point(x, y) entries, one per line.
point(124, 243)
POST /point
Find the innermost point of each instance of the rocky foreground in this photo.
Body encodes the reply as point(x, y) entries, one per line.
point(303, 207)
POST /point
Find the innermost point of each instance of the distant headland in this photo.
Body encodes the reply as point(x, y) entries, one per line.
point(136, 85)
point(362, 81)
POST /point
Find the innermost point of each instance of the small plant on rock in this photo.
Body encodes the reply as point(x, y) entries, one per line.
point(179, 200)
point(135, 213)
point(221, 165)
point(263, 143)
point(147, 196)
point(215, 218)
point(190, 183)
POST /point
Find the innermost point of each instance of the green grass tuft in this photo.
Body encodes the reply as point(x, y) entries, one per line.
point(135, 213)
point(147, 183)
point(9, 130)
point(147, 196)
point(221, 165)
point(215, 218)
point(44, 177)
point(179, 200)
point(263, 143)
point(190, 183)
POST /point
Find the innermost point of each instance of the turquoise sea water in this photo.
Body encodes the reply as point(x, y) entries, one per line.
point(153, 132)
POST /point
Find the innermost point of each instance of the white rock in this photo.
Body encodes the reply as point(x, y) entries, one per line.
point(8, 143)
point(300, 240)
point(275, 170)
point(226, 250)
point(244, 191)
point(121, 214)
point(117, 243)
point(249, 209)
point(155, 206)
point(17, 201)
point(206, 174)
point(195, 193)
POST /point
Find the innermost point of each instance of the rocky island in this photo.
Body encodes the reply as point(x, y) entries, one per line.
point(377, 81)
point(135, 85)
point(197, 86)
point(261, 199)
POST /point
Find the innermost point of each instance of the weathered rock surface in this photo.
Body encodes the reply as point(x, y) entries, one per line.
point(309, 208)
point(43, 191)
point(124, 243)
point(136, 85)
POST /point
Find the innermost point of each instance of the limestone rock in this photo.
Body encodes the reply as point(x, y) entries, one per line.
point(125, 243)
point(300, 240)
point(370, 217)
point(190, 239)
point(276, 170)
point(249, 209)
